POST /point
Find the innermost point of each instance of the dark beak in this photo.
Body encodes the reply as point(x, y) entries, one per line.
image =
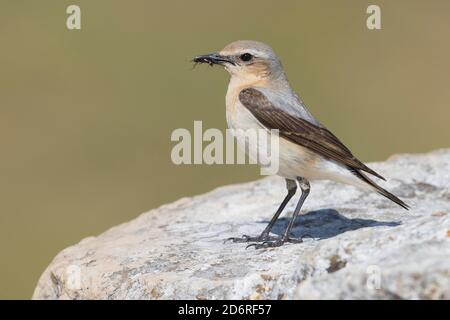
point(212, 59)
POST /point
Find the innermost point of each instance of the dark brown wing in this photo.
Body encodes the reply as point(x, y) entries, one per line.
point(301, 131)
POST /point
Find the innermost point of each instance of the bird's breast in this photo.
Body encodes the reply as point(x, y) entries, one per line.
point(294, 160)
point(239, 117)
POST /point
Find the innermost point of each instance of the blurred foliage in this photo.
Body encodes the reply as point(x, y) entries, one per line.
point(86, 116)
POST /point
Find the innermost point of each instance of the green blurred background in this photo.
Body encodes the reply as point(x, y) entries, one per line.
point(86, 116)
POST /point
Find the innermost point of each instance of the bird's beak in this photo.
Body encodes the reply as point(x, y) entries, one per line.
point(213, 58)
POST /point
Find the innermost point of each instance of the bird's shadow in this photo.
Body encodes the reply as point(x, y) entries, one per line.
point(326, 223)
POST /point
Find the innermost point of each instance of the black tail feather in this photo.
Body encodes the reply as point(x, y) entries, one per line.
point(379, 189)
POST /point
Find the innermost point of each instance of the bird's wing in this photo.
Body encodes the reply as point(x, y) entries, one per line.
point(300, 131)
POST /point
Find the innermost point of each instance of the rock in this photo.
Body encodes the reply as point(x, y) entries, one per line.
point(363, 245)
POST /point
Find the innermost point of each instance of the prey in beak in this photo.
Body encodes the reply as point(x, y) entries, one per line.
point(212, 59)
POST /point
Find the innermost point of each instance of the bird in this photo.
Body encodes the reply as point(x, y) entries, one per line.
point(259, 96)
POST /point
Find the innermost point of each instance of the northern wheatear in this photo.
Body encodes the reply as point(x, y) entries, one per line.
point(259, 96)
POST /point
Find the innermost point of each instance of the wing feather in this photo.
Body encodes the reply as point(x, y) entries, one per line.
point(300, 131)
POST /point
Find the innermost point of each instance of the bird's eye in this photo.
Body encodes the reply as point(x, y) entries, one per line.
point(246, 57)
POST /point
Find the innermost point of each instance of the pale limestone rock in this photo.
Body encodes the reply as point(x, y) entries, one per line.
point(363, 247)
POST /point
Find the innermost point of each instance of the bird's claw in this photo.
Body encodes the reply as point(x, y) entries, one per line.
point(267, 244)
point(246, 238)
point(275, 243)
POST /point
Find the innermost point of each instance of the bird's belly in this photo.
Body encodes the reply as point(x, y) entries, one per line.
point(292, 160)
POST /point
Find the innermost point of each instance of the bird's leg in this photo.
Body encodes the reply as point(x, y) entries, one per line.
point(291, 186)
point(305, 187)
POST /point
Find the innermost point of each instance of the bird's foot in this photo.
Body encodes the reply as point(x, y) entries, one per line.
point(278, 242)
point(246, 238)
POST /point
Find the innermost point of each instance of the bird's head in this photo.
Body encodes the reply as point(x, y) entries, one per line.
point(246, 61)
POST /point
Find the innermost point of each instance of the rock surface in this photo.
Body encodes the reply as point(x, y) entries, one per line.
point(363, 246)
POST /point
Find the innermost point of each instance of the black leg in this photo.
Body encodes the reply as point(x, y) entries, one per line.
point(291, 186)
point(305, 187)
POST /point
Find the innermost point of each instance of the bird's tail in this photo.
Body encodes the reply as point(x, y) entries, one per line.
point(380, 190)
